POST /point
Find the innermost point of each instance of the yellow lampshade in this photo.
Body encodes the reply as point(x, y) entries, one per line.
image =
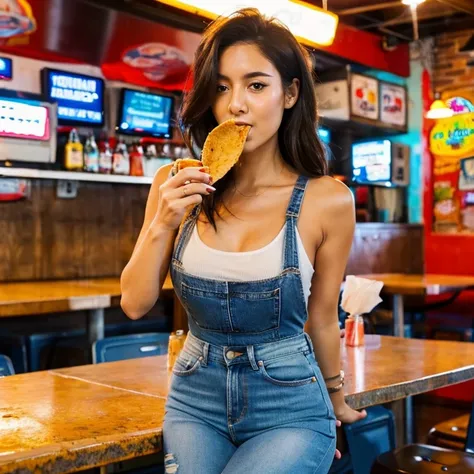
point(439, 110)
point(311, 25)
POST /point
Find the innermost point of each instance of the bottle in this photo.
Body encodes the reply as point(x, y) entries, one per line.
point(120, 159)
point(136, 160)
point(105, 157)
point(175, 344)
point(73, 152)
point(355, 335)
point(91, 155)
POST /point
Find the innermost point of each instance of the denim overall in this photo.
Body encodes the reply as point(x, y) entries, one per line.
point(246, 394)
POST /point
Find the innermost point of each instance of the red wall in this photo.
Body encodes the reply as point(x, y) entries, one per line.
point(443, 253)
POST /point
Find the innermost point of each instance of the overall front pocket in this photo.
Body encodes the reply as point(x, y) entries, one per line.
point(186, 364)
point(288, 371)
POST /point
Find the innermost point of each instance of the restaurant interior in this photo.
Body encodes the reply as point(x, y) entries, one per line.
point(90, 94)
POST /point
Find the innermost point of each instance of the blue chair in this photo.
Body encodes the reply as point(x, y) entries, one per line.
point(366, 439)
point(6, 366)
point(131, 346)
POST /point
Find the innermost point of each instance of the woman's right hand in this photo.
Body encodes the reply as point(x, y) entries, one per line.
point(179, 192)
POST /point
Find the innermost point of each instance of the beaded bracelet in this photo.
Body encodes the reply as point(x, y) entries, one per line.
point(336, 388)
point(340, 375)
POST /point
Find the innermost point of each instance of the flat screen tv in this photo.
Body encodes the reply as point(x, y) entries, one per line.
point(80, 98)
point(372, 162)
point(144, 114)
point(24, 116)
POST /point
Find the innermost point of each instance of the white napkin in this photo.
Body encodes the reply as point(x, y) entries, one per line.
point(360, 295)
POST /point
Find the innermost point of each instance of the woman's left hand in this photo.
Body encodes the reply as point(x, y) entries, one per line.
point(347, 415)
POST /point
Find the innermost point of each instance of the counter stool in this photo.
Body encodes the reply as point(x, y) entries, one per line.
point(450, 434)
point(425, 459)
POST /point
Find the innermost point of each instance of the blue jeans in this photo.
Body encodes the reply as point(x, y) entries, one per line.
point(260, 408)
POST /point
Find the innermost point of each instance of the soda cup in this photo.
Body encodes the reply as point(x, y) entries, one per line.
point(175, 344)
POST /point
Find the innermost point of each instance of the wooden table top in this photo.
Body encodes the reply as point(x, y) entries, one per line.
point(40, 297)
point(429, 284)
point(82, 417)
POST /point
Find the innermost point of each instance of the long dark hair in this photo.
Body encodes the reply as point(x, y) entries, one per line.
point(298, 140)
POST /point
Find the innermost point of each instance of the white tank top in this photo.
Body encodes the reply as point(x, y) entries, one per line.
point(267, 262)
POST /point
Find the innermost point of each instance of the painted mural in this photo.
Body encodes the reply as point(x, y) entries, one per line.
point(452, 146)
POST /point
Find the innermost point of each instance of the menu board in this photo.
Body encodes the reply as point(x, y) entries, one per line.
point(364, 97)
point(80, 98)
point(393, 104)
point(145, 114)
point(24, 118)
point(372, 162)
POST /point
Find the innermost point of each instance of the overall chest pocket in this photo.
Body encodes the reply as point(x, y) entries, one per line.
point(255, 312)
point(208, 309)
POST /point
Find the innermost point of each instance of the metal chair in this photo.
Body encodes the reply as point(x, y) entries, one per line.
point(131, 346)
point(6, 366)
point(366, 439)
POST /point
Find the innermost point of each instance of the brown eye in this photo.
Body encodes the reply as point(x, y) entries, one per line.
point(257, 86)
point(221, 88)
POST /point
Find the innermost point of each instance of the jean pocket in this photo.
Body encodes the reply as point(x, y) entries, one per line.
point(321, 383)
point(186, 364)
point(291, 371)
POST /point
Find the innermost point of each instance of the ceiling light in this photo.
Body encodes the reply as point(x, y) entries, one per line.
point(311, 25)
point(412, 3)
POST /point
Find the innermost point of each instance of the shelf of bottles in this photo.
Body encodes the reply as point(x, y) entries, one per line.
point(134, 162)
point(33, 173)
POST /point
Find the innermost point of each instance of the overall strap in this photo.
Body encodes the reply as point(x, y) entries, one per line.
point(292, 213)
point(185, 232)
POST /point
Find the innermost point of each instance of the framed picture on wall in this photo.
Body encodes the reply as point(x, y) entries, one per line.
point(393, 104)
point(466, 174)
point(364, 94)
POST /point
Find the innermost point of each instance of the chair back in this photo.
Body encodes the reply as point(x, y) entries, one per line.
point(131, 346)
point(6, 366)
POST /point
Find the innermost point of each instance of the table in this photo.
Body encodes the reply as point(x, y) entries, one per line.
point(399, 285)
point(91, 295)
point(83, 417)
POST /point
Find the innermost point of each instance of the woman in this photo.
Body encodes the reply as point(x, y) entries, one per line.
point(262, 254)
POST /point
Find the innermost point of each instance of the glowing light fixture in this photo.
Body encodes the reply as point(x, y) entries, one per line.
point(414, 15)
point(439, 110)
point(311, 25)
point(412, 3)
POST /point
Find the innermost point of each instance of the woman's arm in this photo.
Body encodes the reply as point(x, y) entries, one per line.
point(337, 219)
point(143, 277)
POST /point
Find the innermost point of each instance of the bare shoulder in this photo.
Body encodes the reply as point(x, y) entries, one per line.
point(332, 201)
point(329, 195)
